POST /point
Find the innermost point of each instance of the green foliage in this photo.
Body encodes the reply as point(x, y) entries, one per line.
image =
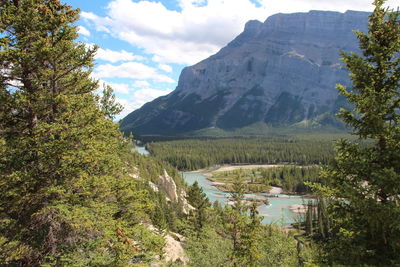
point(244, 230)
point(278, 248)
point(166, 215)
point(208, 250)
point(234, 236)
point(197, 154)
point(199, 201)
point(324, 220)
point(150, 169)
point(309, 254)
point(252, 238)
point(365, 181)
point(161, 216)
point(309, 224)
point(107, 103)
point(249, 188)
point(74, 194)
point(290, 178)
point(67, 195)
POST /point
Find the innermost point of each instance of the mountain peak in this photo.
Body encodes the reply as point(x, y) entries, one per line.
point(253, 25)
point(280, 72)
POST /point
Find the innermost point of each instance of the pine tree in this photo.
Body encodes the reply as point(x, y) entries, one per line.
point(365, 175)
point(198, 199)
point(245, 231)
point(237, 221)
point(252, 238)
point(309, 218)
point(323, 219)
point(109, 106)
point(67, 197)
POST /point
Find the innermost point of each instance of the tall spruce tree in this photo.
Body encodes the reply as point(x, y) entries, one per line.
point(67, 198)
point(365, 176)
point(252, 238)
point(198, 199)
point(245, 231)
point(237, 221)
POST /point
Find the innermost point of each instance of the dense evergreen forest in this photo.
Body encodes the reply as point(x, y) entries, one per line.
point(67, 175)
point(74, 193)
point(197, 154)
point(291, 178)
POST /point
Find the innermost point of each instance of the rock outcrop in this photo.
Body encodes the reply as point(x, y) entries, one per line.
point(173, 250)
point(167, 184)
point(172, 193)
point(280, 72)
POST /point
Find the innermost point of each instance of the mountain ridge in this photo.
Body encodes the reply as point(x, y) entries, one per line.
point(281, 72)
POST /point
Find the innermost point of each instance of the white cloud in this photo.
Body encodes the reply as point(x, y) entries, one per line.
point(141, 84)
point(132, 70)
point(121, 88)
point(165, 67)
point(186, 37)
point(99, 23)
point(116, 56)
point(124, 88)
point(82, 30)
point(139, 98)
point(201, 27)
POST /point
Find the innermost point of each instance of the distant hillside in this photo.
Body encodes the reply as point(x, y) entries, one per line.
point(281, 72)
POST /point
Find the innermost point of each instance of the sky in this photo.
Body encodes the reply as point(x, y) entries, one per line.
point(145, 44)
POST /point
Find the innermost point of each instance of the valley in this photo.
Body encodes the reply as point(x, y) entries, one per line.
point(276, 205)
point(194, 153)
point(277, 210)
point(279, 147)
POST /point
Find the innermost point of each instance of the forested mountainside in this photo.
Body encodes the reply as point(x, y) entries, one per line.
point(281, 72)
point(74, 193)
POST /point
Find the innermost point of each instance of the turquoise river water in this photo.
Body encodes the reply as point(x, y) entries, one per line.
point(277, 211)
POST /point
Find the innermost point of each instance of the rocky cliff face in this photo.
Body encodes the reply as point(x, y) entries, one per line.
point(172, 193)
point(280, 72)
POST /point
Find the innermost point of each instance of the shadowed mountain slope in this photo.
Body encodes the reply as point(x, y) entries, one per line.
point(281, 72)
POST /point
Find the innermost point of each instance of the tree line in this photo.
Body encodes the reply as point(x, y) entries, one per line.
point(69, 196)
point(73, 192)
point(291, 178)
point(198, 154)
point(362, 224)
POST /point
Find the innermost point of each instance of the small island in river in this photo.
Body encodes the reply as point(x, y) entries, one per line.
point(272, 179)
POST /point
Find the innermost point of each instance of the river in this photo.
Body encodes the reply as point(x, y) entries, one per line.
point(141, 150)
point(277, 212)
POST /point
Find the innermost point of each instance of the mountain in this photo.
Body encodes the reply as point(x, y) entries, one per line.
point(281, 72)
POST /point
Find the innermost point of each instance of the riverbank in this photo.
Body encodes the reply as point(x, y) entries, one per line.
point(263, 178)
point(275, 211)
point(226, 185)
point(298, 208)
point(223, 186)
point(227, 168)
